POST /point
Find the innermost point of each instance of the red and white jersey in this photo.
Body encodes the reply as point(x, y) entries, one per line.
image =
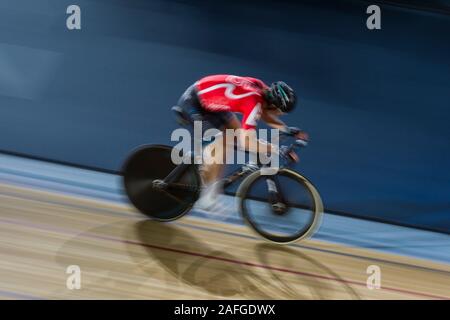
point(233, 93)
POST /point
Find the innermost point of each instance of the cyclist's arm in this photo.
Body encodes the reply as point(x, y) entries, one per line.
point(273, 120)
point(249, 141)
point(248, 138)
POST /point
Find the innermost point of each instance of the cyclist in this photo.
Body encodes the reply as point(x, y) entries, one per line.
point(214, 99)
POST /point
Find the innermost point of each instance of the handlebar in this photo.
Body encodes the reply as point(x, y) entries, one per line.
point(297, 142)
point(289, 148)
point(301, 143)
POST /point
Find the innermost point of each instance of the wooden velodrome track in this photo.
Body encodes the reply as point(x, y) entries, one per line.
point(123, 256)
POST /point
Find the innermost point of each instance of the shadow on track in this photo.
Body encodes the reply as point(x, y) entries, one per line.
point(294, 259)
point(227, 279)
point(194, 268)
point(122, 257)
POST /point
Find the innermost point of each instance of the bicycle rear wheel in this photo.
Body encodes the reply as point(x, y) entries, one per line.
point(293, 216)
point(150, 163)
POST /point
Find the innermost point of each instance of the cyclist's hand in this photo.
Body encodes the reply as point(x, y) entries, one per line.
point(298, 133)
point(302, 135)
point(289, 154)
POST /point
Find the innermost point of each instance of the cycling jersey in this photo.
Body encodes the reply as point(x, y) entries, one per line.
point(245, 95)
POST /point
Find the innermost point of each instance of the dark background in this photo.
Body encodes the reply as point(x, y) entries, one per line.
point(376, 103)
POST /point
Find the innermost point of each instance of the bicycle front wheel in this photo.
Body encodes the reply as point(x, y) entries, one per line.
point(282, 208)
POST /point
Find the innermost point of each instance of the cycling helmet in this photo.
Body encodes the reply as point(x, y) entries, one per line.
point(282, 96)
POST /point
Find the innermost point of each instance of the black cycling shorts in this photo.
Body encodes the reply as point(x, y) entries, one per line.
point(190, 104)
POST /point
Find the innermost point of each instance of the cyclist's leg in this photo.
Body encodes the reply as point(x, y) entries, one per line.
point(217, 149)
point(214, 157)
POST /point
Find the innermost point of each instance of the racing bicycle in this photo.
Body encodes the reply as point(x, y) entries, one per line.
point(283, 207)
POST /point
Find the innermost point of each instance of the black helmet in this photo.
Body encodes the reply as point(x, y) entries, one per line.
point(282, 96)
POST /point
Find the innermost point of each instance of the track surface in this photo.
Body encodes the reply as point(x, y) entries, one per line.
point(122, 255)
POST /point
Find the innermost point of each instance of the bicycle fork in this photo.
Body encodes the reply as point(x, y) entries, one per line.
point(275, 197)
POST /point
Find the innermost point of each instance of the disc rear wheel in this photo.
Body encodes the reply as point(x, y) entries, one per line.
point(143, 176)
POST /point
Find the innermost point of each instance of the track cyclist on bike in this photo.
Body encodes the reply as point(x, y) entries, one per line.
point(214, 99)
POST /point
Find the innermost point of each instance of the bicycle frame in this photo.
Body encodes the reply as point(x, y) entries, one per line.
point(237, 174)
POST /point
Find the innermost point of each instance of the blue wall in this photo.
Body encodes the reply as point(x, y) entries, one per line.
point(376, 103)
